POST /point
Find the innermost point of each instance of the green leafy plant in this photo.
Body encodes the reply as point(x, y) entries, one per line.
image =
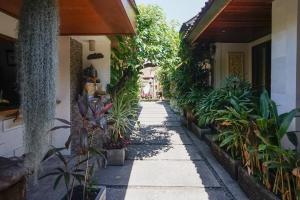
point(271, 128)
point(235, 93)
point(93, 113)
point(122, 118)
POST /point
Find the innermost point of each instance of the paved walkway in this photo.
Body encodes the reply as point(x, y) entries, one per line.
point(167, 162)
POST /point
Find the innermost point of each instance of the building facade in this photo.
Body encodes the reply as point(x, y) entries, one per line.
point(255, 40)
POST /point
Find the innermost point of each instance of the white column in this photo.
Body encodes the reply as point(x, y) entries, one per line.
point(284, 53)
point(285, 87)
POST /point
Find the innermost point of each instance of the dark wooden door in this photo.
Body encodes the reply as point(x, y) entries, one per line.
point(261, 67)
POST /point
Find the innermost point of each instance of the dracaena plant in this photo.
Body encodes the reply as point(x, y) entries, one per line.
point(80, 167)
point(121, 118)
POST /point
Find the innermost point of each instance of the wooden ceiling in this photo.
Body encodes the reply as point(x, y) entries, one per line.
point(87, 17)
point(241, 21)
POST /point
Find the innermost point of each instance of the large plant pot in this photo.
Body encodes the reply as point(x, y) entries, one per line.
point(199, 132)
point(229, 164)
point(115, 157)
point(252, 189)
point(95, 193)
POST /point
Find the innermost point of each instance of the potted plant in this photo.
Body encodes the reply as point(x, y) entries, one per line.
point(77, 170)
point(121, 121)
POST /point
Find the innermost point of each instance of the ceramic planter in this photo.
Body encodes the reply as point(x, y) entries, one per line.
point(229, 164)
point(115, 157)
point(252, 189)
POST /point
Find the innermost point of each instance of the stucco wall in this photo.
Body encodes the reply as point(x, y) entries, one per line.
point(103, 45)
point(11, 141)
point(59, 137)
point(8, 25)
point(222, 63)
point(221, 69)
point(285, 56)
point(285, 35)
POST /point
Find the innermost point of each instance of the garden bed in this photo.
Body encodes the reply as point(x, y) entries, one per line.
point(94, 193)
point(229, 164)
point(252, 189)
point(199, 132)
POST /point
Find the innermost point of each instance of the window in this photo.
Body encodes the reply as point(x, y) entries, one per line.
point(9, 97)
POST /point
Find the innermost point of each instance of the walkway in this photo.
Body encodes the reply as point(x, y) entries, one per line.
point(167, 162)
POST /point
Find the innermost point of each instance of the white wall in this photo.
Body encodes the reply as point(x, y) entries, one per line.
point(11, 140)
point(8, 25)
point(221, 69)
point(63, 81)
point(103, 45)
point(285, 61)
point(221, 58)
point(285, 56)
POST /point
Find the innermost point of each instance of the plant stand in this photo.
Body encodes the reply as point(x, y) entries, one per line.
point(229, 164)
point(252, 189)
point(115, 157)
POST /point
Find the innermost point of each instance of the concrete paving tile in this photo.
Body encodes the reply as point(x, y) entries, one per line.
point(163, 152)
point(158, 173)
point(159, 136)
point(166, 193)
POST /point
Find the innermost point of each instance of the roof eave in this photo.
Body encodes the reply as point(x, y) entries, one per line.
point(211, 14)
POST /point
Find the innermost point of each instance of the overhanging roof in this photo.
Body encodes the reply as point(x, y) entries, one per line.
point(236, 21)
point(88, 17)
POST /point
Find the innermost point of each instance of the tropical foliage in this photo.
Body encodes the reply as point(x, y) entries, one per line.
point(155, 42)
point(251, 130)
point(79, 167)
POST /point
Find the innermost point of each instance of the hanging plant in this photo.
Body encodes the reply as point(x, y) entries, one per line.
point(37, 59)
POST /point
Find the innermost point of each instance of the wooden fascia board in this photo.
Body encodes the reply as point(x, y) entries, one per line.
point(131, 13)
point(211, 14)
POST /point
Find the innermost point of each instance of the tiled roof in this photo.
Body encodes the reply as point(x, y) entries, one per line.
point(188, 26)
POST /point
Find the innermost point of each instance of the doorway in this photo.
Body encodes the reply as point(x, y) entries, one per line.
point(261, 67)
